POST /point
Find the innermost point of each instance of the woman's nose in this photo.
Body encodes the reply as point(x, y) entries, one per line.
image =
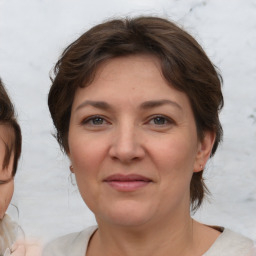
point(127, 144)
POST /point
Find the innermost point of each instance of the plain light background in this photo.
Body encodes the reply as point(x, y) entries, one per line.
point(33, 34)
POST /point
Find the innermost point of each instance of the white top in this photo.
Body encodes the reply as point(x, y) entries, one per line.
point(75, 244)
point(8, 232)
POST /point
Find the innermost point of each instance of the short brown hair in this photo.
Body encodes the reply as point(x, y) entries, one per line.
point(183, 61)
point(8, 118)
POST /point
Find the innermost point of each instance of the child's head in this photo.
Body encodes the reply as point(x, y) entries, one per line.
point(10, 149)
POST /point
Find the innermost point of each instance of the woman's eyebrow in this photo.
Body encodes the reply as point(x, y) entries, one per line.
point(97, 104)
point(158, 103)
point(145, 105)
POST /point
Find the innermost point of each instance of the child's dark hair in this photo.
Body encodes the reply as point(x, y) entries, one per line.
point(8, 118)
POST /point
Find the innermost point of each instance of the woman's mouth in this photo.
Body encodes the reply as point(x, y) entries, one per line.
point(127, 183)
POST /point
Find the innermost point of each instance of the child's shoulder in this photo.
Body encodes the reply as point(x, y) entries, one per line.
point(74, 244)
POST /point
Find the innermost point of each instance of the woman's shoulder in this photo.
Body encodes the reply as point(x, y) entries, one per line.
point(230, 243)
point(74, 244)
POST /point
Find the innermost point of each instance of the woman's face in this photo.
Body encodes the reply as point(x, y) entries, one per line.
point(6, 180)
point(133, 143)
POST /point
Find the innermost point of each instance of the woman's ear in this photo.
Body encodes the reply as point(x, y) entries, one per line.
point(204, 150)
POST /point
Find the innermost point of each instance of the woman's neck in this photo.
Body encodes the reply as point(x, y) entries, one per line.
point(175, 238)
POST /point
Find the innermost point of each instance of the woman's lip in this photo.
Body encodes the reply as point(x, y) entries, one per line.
point(129, 177)
point(127, 183)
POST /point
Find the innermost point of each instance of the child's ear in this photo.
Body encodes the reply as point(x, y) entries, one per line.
point(71, 168)
point(204, 150)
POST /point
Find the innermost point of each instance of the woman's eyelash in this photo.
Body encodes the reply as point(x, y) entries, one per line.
point(94, 120)
point(161, 120)
point(157, 120)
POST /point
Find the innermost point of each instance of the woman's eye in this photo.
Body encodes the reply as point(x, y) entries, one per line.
point(160, 121)
point(95, 121)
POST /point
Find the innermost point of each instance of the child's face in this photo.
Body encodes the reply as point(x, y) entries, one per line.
point(6, 179)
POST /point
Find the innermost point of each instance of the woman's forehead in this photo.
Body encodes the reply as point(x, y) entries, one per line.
point(133, 79)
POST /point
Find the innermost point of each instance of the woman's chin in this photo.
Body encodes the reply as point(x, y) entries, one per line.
point(133, 214)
